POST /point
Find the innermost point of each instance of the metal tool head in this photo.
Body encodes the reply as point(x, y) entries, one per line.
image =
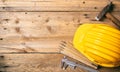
point(107, 8)
point(68, 63)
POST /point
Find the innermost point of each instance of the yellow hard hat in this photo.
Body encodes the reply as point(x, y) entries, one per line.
point(100, 43)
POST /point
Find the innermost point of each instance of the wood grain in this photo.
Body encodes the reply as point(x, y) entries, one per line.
point(40, 31)
point(32, 63)
point(38, 63)
point(31, 27)
point(55, 5)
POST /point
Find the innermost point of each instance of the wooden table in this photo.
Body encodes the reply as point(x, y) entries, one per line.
point(31, 28)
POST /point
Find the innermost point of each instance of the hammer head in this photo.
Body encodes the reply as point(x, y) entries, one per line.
point(106, 9)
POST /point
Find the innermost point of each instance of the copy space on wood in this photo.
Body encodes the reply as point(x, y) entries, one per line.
point(40, 31)
point(55, 5)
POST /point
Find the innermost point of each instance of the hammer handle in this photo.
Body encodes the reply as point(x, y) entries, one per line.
point(113, 19)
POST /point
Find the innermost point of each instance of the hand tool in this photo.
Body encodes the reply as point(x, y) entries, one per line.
point(106, 12)
point(65, 63)
point(68, 50)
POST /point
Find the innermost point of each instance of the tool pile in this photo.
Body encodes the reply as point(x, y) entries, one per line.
point(68, 49)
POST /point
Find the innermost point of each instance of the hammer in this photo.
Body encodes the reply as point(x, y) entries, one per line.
point(106, 12)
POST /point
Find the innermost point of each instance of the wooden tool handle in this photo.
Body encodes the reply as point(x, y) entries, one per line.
point(113, 19)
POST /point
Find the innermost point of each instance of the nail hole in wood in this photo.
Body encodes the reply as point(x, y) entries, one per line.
point(85, 14)
point(25, 12)
point(95, 7)
point(3, 7)
point(5, 28)
point(83, 2)
point(1, 38)
point(1, 56)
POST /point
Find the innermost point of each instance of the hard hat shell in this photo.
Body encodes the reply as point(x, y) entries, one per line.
point(100, 43)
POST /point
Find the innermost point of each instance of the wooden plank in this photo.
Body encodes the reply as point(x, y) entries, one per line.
point(33, 62)
point(40, 31)
point(55, 5)
point(38, 46)
point(38, 63)
point(44, 24)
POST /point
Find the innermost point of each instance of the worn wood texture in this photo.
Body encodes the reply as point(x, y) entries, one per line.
point(38, 63)
point(32, 63)
point(28, 27)
point(55, 5)
point(40, 31)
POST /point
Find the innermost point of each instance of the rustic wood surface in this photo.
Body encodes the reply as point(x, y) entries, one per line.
point(38, 63)
point(30, 28)
point(32, 63)
point(21, 32)
point(55, 5)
